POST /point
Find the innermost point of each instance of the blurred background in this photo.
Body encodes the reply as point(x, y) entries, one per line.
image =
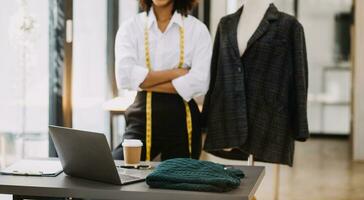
point(57, 67)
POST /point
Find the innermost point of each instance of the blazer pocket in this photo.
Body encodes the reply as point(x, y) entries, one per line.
point(272, 64)
point(273, 95)
point(273, 102)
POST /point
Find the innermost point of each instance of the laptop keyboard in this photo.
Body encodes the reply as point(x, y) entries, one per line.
point(128, 178)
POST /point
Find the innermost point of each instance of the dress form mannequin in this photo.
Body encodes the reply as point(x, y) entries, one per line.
point(252, 15)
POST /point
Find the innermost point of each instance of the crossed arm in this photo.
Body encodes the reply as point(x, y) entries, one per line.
point(161, 81)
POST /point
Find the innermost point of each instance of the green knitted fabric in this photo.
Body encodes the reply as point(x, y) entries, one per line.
point(190, 174)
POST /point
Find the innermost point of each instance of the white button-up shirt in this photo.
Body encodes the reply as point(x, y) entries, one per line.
point(131, 69)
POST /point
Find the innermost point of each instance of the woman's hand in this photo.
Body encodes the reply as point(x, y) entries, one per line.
point(162, 88)
point(181, 71)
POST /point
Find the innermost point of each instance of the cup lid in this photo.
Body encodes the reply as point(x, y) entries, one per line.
point(132, 143)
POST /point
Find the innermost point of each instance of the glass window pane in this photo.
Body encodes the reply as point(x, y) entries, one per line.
point(23, 80)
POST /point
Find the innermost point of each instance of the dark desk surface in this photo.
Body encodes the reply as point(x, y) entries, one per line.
point(66, 186)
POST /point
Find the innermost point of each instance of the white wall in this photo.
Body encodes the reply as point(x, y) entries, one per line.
point(317, 18)
point(218, 10)
point(127, 9)
point(90, 84)
point(358, 115)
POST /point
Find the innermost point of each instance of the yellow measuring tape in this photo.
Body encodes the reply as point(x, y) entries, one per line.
point(149, 96)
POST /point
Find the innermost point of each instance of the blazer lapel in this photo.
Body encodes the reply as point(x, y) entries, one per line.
point(270, 15)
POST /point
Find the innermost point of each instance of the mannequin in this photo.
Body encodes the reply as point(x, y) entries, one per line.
point(257, 99)
point(252, 15)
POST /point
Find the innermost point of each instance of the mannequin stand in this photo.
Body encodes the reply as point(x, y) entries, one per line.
point(251, 163)
point(277, 181)
point(276, 177)
point(251, 160)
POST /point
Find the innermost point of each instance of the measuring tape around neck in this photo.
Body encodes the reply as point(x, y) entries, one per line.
point(149, 95)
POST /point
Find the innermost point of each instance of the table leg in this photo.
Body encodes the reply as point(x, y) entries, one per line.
point(111, 131)
point(2, 151)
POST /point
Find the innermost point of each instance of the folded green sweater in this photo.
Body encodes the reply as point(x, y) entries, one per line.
point(190, 174)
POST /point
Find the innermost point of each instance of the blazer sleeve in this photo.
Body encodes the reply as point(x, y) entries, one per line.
point(300, 76)
point(213, 73)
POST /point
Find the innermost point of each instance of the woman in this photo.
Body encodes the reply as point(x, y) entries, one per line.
point(164, 54)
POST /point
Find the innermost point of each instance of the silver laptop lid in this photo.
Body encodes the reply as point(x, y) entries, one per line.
point(85, 154)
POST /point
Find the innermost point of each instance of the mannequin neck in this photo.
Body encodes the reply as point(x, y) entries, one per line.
point(252, 15)
point(256, 3)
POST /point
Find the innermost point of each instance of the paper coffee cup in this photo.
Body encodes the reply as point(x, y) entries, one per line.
point(132, 151)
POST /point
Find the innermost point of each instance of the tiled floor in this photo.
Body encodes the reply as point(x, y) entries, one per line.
point(322, 171)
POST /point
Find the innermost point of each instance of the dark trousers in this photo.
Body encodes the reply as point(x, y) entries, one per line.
point(169, 129)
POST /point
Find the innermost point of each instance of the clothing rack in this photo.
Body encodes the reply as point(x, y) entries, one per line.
point(276, 177)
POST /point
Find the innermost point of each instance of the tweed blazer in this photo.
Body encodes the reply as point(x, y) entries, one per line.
point(257, 103)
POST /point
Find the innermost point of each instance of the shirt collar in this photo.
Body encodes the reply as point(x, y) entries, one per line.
point(177, 18)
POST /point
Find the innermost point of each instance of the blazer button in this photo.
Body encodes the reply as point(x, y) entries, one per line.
point(239, 69)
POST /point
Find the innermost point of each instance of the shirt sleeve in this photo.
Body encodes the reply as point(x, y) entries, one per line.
point(196, 81)
point(213, 74)
point(129, 75)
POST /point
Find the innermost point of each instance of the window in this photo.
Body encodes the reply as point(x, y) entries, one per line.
point(23, 80)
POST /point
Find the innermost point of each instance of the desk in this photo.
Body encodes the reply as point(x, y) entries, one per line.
point(66, 186)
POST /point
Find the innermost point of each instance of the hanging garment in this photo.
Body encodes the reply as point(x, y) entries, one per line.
point(257, 103)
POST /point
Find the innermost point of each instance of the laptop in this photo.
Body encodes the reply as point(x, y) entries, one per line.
point(87, 155)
